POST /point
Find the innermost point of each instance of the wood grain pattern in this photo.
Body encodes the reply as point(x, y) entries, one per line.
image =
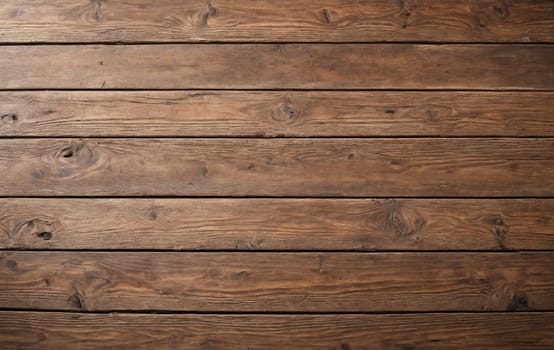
point(222, 174)
point(300, 66)
point(277, 167)
point(276, 224)
point(54, 331)
point(264, 113)
point(286, 20)
point(260, 282)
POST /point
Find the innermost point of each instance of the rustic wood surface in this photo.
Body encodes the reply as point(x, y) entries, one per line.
point(277, 224)
point(262, 282)
point(436, 331)
point(235, 174)
point(278, 167)
point(285, 20)
point(278, 66)
point(270, 113)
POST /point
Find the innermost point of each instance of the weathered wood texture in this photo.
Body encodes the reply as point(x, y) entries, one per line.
point(286, 20)
point(54, 331)
point(250, 66)
point(264, 113)
point(259, 282)
point(270, 224)
point(277, 167)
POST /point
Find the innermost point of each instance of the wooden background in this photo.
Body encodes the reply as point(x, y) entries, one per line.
point(295, 174)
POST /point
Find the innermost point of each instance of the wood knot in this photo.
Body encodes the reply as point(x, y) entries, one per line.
point(255, 244)
point(406, 12)
point(77, 301)
point(287, 112)
point(211, 11)
point(74, 158)
point(326, 15)
point(405, 5)
point(38, 228)
point(70, 151)
point(11, 117)
point(45, 235)
point(241, 275)
point(154, 212)
point(519, 302)
point(398, 219)
point(95, 11)
point(500, 9)
point(500, 230)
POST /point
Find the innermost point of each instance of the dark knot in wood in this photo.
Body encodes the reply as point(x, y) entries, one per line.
point(519, 302)
point(398, 219)
point(500, 232)
point(287, 112)
point(8, 117)
point(35, 227)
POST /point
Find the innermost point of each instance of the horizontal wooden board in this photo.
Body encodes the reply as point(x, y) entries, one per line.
point(286, 20)
point(276, 224)
point(277, 167)
point(260, 282)
point(265, 113)
point(301, 66)
point(56, 330)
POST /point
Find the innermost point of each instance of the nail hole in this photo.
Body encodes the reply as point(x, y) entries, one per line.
point(45, 235)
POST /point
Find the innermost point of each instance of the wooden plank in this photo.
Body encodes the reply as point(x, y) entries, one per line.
point(301, 66)
point(276, 224)
point(277, 167)
point(286, 20)
point(264, 113)
point(56, 330)
point(276, 282)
